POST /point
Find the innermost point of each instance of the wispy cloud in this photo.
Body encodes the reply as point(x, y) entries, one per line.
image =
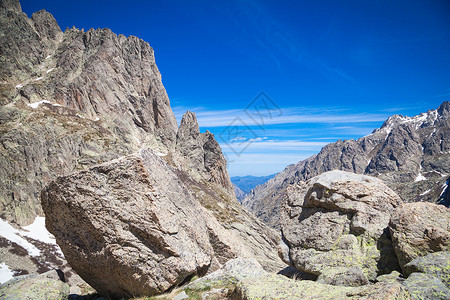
point(291, 115)
point(278, 145)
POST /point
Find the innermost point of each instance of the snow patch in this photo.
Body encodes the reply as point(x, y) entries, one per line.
point(5, 273)
point(48, 57)
point(444, 187)
point(37, 231)
point(12, 234)
point(37, 79)
point(19, 86)
point(420, 177)
point(434, 130)
point(161, 154)
point(36, 104)
point(426, 192)
point(49, 70)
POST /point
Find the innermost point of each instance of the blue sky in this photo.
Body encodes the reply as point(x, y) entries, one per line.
point(328, 70)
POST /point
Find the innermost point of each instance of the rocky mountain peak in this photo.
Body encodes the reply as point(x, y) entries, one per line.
point(46, 25)
point(200, 154)
point(444, 109)
point(70, 100)
point(188, 126)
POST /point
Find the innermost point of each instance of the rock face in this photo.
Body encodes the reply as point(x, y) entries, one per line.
point(136, 221)
point(44, 286)
point(233, 271)
point(410, 154)
point(200, 154)
point(424, 286)
point(436, 264)
point(339, 220)
point(418, 229)
point(279, 287)
point(240, 195)
point(72, 100)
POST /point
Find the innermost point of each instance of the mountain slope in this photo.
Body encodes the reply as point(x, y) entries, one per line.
point(410, 154)
point(247, 183)
point(72, 100)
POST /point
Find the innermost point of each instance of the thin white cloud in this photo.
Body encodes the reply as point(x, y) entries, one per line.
point(258, 139)
point(272, 146)
point(291, 115)
point(239, 138)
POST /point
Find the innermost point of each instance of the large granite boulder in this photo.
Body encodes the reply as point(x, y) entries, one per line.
point(131, 227)
point(339, 220)
point(418, 229)
point(49, 285)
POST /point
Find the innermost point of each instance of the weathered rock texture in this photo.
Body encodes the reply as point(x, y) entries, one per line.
point(72, 100)
point(279, 287)
point(199, 154)
point(436, 264)
point(101, 96)
point(335, 225)
point(240, 195)
point(418, 229)
point(426, 287)
point(410, 154)
point(44, 286)
point(233, 271)
point(75, 99)
point(131, 227)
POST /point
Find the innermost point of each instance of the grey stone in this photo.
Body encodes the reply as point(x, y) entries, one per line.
point(436, 264)
point(339, 220)
point(131, 227)
point(104, 99)
point(418, 229)
point(44, 286)
point(352, 276)
point(181, 296)
point(274, 286)
point(233, 271)
point(107, 101)
point(424, 286)
point(393, 276)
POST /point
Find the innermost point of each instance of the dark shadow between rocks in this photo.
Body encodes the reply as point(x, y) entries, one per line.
point(388, 261)
point(293, 273)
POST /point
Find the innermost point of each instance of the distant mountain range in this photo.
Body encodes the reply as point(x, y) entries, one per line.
point(410, 154)
point(244, 184)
